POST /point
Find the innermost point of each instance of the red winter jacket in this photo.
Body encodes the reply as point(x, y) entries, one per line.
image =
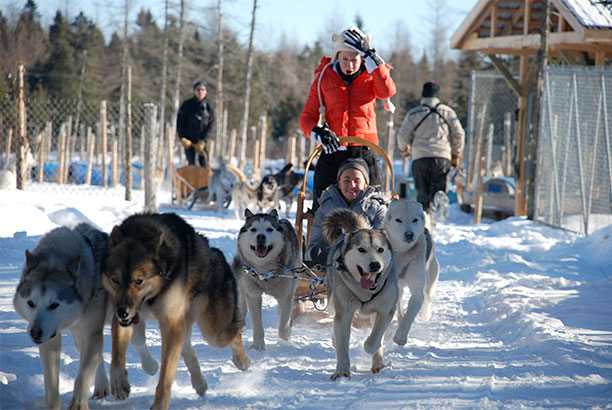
point(350, 110)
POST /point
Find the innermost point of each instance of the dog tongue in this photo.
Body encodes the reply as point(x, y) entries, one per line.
point(261, 251)
point(136, 319)
point(367, 281)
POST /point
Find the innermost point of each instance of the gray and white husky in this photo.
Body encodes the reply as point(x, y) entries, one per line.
point(61, 289)
point(244, 194)
point(267, 244)
point(417, 266)
point(221, 186)
point(361, 277)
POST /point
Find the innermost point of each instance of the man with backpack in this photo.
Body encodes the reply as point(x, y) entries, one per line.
point(433, 136)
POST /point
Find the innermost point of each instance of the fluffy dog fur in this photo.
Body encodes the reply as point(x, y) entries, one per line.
point(244, 194)
point(158, 267)
point(414, 254)
point(220, 187)
point(287, 181)
point(361, 277)
point(268, 194)
point(61, 289)
point(267, 244)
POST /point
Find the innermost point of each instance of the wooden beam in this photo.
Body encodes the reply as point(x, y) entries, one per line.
point(569, 17)
point(468, 24)
point(600, 58)
point(493, 19)
point(529, 78)
point(526, 17)
point(499, 65)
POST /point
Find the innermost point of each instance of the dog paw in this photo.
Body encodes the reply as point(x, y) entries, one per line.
point(400, 339)
point(242, 362)
point(339, 374)
point(200, 386)
point(284, 333)
point(120, 386)
point(101, 392)
point(258, 346)
point(377, 369)
point(78, 404)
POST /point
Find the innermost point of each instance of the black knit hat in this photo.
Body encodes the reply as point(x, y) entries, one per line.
point(357, 163)
point(430, 89)
point(199, 84)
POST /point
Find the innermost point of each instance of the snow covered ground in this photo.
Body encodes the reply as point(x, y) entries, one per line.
point(522, 319)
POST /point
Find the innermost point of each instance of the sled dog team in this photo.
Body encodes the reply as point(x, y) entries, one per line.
point(156, 267)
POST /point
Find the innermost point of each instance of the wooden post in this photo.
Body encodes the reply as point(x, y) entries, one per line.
point(232, 144)
point(256, 148)
point(49, 130)
point(68, 153)
point(127, 150)
point(390, 145)
point(91, 148)
point(474, 165)
point(520, 208)
point(61, 154)
point(9, 142)
point(21, 129)
point(301, 150)
point(291, 149)
point(115, 161)
point(263, 133)
point(41, 156)
point(170, 158)
point(481, 172)
point(150, 113)
point(507, 160)
point(104, 143)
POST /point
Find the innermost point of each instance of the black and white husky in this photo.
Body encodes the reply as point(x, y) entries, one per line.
point(267, 246)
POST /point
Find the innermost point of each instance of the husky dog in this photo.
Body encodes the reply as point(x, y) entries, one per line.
point(417, 266)
point(157, 266)
point(244, 194)
point(268, 194)
point(267, 244)
point(220, 187)
point(361, 277)
point(287, 181)
point(61, 289)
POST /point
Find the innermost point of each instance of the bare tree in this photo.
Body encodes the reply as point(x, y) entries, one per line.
point(161, 124)
point(177, 84)
point(219, 137)
point(247, 92)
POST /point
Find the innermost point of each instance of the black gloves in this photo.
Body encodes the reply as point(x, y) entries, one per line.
point(358, 42)
point(326, 138)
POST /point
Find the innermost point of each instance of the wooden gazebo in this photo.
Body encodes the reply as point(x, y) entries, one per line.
point(579, 33)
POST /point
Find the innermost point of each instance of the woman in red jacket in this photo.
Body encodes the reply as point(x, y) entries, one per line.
point(342, 102)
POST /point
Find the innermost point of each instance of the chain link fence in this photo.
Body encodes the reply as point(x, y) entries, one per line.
point(574, 172)
point(492, 120)
point(59, 127)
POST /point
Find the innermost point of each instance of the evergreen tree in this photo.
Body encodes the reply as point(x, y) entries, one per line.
point(61, 79)
point(468, 61)
point(88, 44)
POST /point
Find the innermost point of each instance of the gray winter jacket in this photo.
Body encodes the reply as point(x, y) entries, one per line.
point(370, 203)
point(438, 136)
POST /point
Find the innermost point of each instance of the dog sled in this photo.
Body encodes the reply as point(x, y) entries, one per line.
point(312, 284)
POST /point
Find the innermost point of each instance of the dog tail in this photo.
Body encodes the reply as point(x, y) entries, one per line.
point(342, 220)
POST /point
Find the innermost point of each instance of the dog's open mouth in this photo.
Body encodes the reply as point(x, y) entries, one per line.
point(368, 279)
point(133, 321)
point(261, 250)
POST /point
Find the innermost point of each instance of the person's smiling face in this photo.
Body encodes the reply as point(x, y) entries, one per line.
point(351, 184)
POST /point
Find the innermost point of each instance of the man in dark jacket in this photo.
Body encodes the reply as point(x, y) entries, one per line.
point(193, 123)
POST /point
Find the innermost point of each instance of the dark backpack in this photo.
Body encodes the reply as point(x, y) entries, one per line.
point(432, 110)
